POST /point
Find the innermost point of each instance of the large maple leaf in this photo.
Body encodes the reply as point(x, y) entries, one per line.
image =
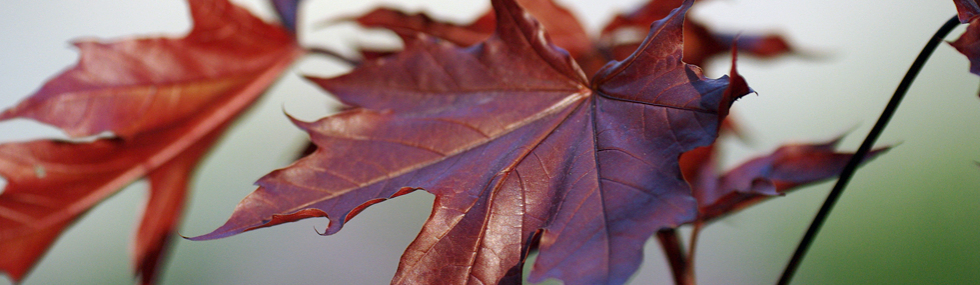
point(521, 150)
point(166, 100)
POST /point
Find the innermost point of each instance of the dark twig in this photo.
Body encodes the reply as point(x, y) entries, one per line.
point(869, 141)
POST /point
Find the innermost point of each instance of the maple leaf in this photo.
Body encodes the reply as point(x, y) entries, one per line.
point(969, 43)
point(787, 168)
point(563, 27)
point(618, 39)
point(521, 150)
point(166, 100)
point(398, 21)
point(619, 36)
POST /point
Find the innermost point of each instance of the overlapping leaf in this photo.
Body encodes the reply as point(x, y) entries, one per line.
point(166, 100)
point(619, 38)
point(787, 168)
point(754, 181)
point(520, 149)
point(399, 21)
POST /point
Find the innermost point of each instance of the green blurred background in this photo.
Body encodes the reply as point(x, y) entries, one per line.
point(909, 217)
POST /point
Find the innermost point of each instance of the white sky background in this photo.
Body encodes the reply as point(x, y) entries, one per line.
point(909, 217)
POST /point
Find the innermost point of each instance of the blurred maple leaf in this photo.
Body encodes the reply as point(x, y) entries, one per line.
point(618, 39)
point(785, 169)
point(165, 100)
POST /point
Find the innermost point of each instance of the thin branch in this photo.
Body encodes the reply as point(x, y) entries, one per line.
point(869, 141)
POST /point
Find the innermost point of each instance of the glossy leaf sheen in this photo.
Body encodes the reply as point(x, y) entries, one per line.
point(167, 98)
point(516, 144)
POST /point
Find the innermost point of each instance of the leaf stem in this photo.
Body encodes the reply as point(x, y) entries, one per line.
point(869, 141)
point(670, 241)
point(689, 272)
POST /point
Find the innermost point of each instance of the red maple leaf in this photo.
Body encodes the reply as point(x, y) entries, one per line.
point(785, 169)
point(398, 21)
point(521, 150)
point(618, 39)
point(166, 100)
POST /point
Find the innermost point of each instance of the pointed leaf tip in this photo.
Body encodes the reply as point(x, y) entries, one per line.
point(303, 125)
point(737, 87)
point(233, 227)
